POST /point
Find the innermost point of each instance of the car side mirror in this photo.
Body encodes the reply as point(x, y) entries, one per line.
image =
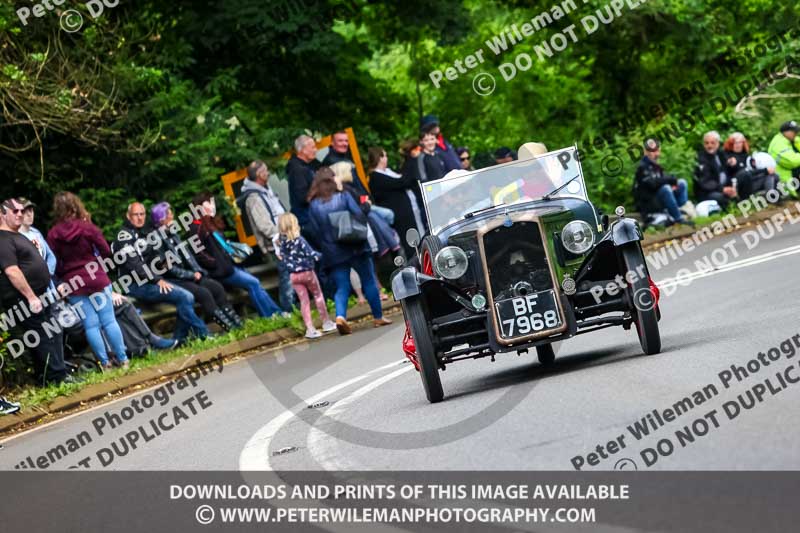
point(412, 237)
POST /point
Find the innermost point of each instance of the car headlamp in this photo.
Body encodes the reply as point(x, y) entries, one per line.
point(577, 237)
point(451, 262)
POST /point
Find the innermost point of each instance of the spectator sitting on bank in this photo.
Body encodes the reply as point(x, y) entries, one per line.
point(711, 180)
point(751, 175)
point(430, 164)
point(339, 258)
point(339, 152)
point(655, 192)
point(35, 236)
point(24, 277)
point(300, 173)
point(299, 259)
point(131, 243)
point(465, 157)
point(430, 124)
point(184, 271)
point(76, 243)
point(785, 149)
point(736, 151)
point(504, 155)
point(400, 193)
point(263, 208)
point(216, 259)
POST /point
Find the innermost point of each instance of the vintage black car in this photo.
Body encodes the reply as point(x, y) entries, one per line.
point(518, 257)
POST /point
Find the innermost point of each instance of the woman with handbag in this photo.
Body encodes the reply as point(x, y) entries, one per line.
point(386, 239)
point(217, 257)
point(341, 229)
point(184, 271)
point(76, 242)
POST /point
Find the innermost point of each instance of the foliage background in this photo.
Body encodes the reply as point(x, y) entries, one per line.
point(155, 100)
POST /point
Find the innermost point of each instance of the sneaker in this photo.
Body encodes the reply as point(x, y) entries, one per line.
point(313, 333)
point(286, 315)
point(160, 343)
point(8, 407)
point(328, 326)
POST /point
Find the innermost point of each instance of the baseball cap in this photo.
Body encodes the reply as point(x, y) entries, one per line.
point(503, 152)
point(790, 126)
point(9, 202)
point(428, 120)
point(651, 145)
point(25, 202)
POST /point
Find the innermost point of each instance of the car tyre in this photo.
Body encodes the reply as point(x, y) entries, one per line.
point(426, 355)
point(546, 354)
point(430, 247)
point(643, 311)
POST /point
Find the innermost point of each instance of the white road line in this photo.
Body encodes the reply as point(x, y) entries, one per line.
point(255, 454)
point(325, 453)
point(734, 265)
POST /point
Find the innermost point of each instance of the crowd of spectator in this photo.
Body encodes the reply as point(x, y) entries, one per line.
point(724, 172)
point(326, 242)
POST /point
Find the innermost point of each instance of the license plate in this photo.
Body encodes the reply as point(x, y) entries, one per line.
point(526, 315)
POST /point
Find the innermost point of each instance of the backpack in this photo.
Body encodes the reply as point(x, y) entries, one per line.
point(135, 332)
point(241, 203)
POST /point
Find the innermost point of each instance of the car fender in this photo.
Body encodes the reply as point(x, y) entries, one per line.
point(407, 282)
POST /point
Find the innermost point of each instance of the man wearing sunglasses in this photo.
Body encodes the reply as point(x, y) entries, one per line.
point(24, 277)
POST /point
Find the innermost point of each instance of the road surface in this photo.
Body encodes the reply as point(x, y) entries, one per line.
point(354, 403)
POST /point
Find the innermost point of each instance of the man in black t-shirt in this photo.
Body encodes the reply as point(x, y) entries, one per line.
point(24, 277)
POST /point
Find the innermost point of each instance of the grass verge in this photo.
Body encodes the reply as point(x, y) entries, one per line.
point(31, 396)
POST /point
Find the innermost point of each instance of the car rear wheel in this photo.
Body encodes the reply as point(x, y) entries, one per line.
point(546, 354)
point(643, 301)
point(426, 355)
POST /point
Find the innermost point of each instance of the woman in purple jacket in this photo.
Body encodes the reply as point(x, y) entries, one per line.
point(76, 243)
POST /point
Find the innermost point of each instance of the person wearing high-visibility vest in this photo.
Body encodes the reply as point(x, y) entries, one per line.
point(785, 149)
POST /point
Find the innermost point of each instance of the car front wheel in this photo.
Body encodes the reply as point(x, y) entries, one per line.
point(426, 355)
point(643, 301)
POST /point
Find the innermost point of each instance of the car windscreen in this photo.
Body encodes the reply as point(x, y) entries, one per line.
point(449, 199)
